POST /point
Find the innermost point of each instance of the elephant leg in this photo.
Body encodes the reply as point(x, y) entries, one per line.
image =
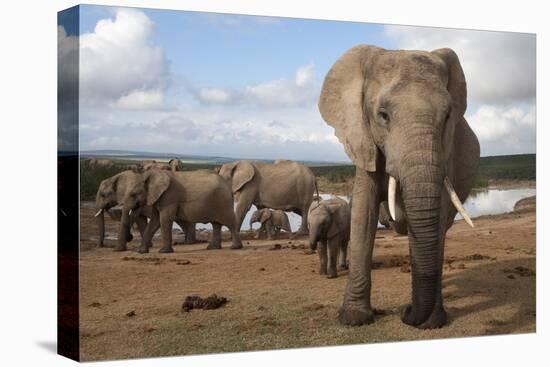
point(259, 232)
point(166, 223)
point(332, 249)
point(123, 233)
point(235, 236)
point(322, 251)
point(190, 233)
point(342, 256)
point(269, 229)
point(356, 308)
point(152, 227)
point(216, 242)
point(141, 223)
point(303, 226)
point(243, 206)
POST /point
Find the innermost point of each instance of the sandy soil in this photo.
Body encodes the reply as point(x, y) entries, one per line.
point(130, 304)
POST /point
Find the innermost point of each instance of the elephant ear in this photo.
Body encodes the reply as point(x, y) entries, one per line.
point(341, 105)
point(266, 214)
point(243, 172)
point(456, 84)
point(156, 183)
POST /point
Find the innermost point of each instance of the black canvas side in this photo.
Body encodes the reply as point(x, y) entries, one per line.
point(68, 335)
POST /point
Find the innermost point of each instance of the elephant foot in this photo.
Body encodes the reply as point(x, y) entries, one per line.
point(143, 250)
point(343, 266)
point(302, 232)
point(119, 248)
point(437, 318)
point(236, 246)
point(166, 250)
point(408, 316)
point(355, 316)
point(332, 275)
point(323, 271)
point(100, 245)
point(214, 246)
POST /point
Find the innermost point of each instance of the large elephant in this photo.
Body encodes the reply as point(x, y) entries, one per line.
point(111, 193)
point(194, 196)
point(272, 221)
point(400, 117)
point(284, 185)
point(329, 227)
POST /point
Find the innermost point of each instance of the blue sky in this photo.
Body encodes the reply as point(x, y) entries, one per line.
point(246, 86)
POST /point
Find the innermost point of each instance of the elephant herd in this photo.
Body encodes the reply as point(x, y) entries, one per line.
point(399, 116)
point(156, 195)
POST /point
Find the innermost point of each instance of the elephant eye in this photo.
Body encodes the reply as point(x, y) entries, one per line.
point(383, 116)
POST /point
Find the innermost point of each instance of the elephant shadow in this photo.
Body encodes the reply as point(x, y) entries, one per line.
point(499, 285)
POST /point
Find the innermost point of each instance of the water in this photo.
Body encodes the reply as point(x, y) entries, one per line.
point(491, 201)
point(494, 201)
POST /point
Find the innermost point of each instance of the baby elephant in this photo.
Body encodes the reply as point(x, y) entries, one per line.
point(272, 222)
point(329, 229)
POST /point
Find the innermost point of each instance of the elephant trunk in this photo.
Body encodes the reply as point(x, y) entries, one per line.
point(100, 220)
point(314, 235)
point(421, 180)
point(124, 234)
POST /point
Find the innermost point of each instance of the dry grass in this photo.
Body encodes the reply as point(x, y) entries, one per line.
point(276, 299)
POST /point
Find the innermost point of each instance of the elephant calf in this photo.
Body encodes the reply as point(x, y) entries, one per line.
point(329, 229)
point(272, 221)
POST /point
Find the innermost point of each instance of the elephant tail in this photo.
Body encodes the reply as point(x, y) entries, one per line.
point(318, 197)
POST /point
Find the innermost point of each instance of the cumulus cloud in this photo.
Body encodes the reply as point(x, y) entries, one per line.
point(499, 66)
point(505, 130)
point(300, 90)
point(120, 65)
point(140, 100)
point(216, 95)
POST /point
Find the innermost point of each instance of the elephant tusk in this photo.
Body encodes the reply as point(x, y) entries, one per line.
point(130, 212)
point(456, 201)
point(98, 213)
point(392, 186)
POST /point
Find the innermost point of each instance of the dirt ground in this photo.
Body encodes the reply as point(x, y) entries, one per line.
point(130, 304)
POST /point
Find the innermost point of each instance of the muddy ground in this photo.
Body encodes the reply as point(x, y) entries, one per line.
point(131, 304)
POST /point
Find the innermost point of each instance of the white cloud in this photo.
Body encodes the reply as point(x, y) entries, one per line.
point(140, 100)
point(119, 63)
point(499, 66)
point(503, 130)
point(305, 75)
point(215, 95)
point(300, 90)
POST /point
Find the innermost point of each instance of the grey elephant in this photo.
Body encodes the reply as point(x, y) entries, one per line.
point(400, 117)
point(285, 185)
point(175, 165)
point(329, 229)
point(94, 162)
point(194, 196)
point(111, 193)
point(272, 221)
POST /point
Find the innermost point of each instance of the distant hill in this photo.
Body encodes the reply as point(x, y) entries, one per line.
point(141, 155)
